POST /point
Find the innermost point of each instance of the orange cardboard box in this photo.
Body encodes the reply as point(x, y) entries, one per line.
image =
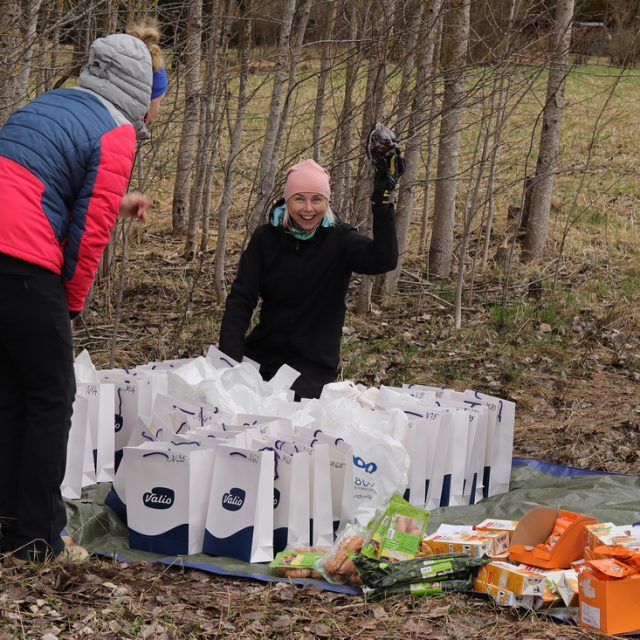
point(609, 606)
point(535, 527)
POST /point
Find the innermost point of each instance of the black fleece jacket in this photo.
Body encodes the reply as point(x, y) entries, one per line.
point(303, 286)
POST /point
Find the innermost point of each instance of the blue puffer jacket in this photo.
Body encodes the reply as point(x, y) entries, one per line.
point(65, 162)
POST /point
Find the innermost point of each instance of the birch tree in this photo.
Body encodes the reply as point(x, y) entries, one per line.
point(298, 38)
point(30, 38)
point(416, 125)
point(344, 130)
point(547, 164)
point(325, 67)
point(266, 173)
point(373, 107)
point(227, 189)
point(186, 149)
point(10, 52)
point(455, 39)
point(210, 100)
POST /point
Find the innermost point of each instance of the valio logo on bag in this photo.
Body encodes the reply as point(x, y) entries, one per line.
point(234, 499)
point(276, 498)
point(159, 498)
point(369, 467)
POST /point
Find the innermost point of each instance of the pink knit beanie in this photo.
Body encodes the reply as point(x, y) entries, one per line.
point(307, 177)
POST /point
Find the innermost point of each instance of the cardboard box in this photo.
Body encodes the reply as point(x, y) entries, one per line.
point(551, 579)
point(498, 525)
point(504, 598)
point(609, 606)
point(473, 544)
point(533, 530)
point(512, 578)
point(567, 587)
point(606, 533)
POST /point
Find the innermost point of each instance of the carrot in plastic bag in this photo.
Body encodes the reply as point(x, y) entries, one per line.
point(562, 522)
point(612, 551)
point(612, 568)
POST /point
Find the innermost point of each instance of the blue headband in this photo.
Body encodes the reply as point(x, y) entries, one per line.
point(160, 83)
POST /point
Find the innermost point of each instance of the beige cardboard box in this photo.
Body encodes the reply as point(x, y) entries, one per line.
point(470, 543)
point(512, 578)
point(607, 533)
point(568, 588)
point(498, 525)
point(504, 598)
point(551, 579)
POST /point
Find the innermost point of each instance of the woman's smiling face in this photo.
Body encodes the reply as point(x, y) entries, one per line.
point(306, 210)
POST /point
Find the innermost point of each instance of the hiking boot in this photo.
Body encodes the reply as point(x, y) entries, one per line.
point(72, 552)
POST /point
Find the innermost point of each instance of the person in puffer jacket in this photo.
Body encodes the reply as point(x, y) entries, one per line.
point(65, 163)
point(299, 265)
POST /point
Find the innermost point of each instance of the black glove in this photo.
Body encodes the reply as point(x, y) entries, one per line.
point(384, 153)
point(385, 180)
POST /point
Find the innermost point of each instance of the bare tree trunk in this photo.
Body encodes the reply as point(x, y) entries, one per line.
point(209, 99)
point(455, 39)
point(111, 16)
point(472, 208)
point(266, 177)
point(30, 38)
point(502, 91)
point(547, 165)
point(300, 30)
point(371, 113)
point(325, 66)
point(344, 132)
point(44, 28)
point(412, 41)
point(186, 151)
point(227, 190)
point(54, 44)
point(428, 168)
point(417, 118)
point(10, 52)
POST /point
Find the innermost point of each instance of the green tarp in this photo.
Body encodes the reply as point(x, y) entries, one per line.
point(609, 498)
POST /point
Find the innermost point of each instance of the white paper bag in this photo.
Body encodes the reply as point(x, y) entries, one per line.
point(419, 459)
point(291, 516)
point(499, 452)
point(126, 397)
point(167, 494)
point(192, 413)
point(341, 473)
point(320, 497)
point(145, 432)
point(240, 514)
point(478, 417)
point(433, 426)
point(291, 502)
point(456, 423)
point(101, 420)
point(79, 432)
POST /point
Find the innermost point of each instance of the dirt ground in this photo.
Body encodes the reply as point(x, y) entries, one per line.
point(570, 360)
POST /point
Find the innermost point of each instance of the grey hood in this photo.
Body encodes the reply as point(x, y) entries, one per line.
point(119, 69)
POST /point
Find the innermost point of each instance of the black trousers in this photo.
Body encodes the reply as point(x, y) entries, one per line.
point(37, 388)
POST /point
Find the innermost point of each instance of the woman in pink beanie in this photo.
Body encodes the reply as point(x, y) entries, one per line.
point(299, 265)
